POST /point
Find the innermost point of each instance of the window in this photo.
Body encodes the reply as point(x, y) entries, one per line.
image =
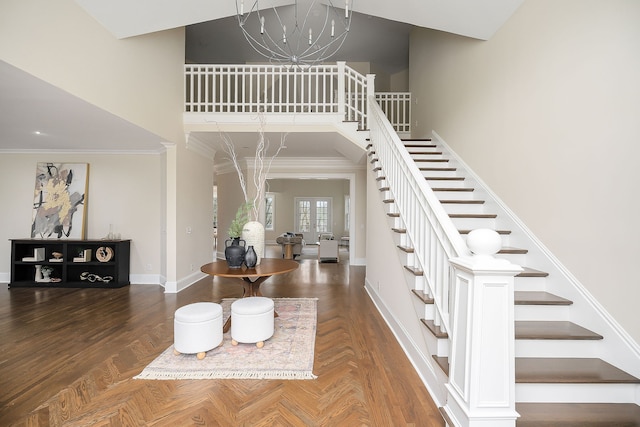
point(269, 211)
point(347, 210)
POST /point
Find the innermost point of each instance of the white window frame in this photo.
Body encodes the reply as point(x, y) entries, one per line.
point(271, 196)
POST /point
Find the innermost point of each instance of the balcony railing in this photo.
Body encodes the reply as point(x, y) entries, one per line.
point(334, 89)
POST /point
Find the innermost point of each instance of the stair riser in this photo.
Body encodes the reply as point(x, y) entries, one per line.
point(541, 312)
point(453, 195)
point(430, 155)
point(530, 283)
point(463, 208)
point(434, 183)
point(577, 393)
point(438, 173)
point(517, 259)
point(557, 348)
point(436, 346)
point(473, 223)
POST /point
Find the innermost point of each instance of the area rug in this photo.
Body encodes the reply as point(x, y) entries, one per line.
point(288, 355)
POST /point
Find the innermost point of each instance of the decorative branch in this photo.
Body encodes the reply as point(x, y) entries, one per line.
point(261, 166)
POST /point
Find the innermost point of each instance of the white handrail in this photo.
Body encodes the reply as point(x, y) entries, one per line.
point(432, 234)
point(217, 88)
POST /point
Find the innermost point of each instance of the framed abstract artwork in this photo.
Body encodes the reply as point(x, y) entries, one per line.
point(60, 201)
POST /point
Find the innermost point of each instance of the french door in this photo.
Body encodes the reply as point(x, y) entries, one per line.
point(313, 217)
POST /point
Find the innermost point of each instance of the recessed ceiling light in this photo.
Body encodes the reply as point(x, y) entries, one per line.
point(38, 132)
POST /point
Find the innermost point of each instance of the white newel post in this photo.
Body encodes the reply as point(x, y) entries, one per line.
point(481, 388)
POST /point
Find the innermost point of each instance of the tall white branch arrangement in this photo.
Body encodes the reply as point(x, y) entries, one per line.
point(261, 167)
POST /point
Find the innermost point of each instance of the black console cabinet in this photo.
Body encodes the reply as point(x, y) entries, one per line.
point(82, 263)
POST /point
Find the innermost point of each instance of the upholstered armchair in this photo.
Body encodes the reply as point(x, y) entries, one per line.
point(327, 250)
point(291, 244)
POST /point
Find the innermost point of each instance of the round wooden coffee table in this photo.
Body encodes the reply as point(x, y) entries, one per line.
point(251, 278)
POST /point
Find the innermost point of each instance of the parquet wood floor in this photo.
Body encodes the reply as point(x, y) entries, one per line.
point(67, 358)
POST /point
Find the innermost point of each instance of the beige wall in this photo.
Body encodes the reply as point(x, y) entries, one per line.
point(129, 197)
point(546, 112)
point(138, 79)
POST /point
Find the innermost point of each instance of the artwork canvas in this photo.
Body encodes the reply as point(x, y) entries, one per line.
point(60, 201)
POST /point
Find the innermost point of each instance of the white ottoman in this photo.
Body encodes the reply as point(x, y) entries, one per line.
point(197, 328)
point(252, 320)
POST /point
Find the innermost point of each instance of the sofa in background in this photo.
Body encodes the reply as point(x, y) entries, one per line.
point(290, 241)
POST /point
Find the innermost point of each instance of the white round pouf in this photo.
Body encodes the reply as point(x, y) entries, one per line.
point(197, 328)
point(252, 320)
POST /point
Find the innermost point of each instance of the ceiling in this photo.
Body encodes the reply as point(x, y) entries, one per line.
point(379, 35)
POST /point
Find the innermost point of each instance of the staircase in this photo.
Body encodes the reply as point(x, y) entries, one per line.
point(567, 374)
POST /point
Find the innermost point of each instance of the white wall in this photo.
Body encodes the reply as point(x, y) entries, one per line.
point(546, 112)
point(139, 79)
point(128, 197)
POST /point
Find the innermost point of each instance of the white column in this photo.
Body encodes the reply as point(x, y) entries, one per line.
point(481, 388)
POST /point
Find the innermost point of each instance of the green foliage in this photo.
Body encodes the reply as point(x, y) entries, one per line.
point(242, 217)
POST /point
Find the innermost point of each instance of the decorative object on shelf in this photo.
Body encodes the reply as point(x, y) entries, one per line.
point(38, 276)
point(250, 258)
point(293, 35)
point(253, 234)
point(104, 254)
point(66, 272)
point(38, 255)
point(94, 277)
point(84, 256)
point(59, 205)
point(57, 257)
point(234, 252)
point(46, 273)
point(112, 235)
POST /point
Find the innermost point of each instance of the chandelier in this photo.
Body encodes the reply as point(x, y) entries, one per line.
point(299, 34)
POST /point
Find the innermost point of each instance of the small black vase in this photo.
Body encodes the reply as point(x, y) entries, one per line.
point(250, 258)
point(234, 252)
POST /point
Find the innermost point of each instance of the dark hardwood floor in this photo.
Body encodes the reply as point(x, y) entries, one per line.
point(67, 357)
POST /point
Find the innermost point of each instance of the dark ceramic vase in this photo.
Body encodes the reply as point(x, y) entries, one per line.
point(234, 252)
point(250, 258)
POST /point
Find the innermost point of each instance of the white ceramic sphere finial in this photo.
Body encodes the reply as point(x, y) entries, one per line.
point(484, 242)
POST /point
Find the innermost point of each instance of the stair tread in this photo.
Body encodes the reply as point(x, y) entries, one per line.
point(556, 370)
point(497, 231)
point(393, 214)
point(569, 370)
point(415, 271)
point(553, 330)
point(425, 169)
point(539, 298)
point(532, 272)
point(435, 330)
point(423, 297)
point(406, 249)
point(469, 215)
point(444, 178)
point(512, 250)
point(462, 202)
point(431, 160)
point(578, 414)
point(461, 189)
